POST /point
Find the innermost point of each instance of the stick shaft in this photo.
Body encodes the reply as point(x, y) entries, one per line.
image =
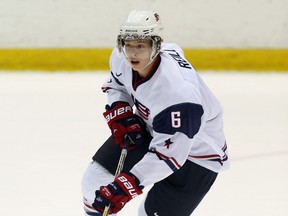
point(118, 170)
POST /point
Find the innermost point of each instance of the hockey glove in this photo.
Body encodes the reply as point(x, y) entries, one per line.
point(122, 122)
point(124, 188)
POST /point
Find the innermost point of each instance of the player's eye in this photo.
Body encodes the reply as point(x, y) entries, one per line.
point(140, 46)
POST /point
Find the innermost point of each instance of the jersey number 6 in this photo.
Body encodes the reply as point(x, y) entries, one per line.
point(176, 120)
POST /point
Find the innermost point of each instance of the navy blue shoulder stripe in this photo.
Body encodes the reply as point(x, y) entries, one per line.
point(184, 118)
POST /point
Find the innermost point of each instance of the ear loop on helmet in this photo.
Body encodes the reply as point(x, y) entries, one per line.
point(120, 43)
point(120, 46)
point(156, 45)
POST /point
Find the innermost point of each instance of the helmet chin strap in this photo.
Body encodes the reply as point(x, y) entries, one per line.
point(155, 52)
point(151, 59)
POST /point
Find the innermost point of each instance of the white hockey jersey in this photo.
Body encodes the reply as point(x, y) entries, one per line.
point(181, 113)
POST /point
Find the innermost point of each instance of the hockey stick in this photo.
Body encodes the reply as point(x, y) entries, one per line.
point(119, 168)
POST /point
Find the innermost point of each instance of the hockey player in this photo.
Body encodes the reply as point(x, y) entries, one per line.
point(175, 133)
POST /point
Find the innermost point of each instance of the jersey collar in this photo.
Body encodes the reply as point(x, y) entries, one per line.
point(137, 80)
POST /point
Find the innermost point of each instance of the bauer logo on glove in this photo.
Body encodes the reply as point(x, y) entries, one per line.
point(122, 190)
point(122, 122)
point(121, 111)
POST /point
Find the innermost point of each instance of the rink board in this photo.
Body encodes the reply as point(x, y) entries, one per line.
point(95, 59)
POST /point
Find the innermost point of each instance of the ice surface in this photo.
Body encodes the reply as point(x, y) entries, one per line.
point(51, 124)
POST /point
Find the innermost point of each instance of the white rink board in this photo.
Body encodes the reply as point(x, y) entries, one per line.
point(51, 124)
point(92, 23)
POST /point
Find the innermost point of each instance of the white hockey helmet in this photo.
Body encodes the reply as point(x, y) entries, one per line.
point(141, 25)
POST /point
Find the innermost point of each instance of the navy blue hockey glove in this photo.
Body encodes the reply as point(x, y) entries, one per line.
point(122, 122)
point(124, 188)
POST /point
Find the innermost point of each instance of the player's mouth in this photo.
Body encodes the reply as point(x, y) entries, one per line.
point(134, 63)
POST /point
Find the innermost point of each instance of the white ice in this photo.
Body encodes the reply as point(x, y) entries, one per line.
point(51, 124)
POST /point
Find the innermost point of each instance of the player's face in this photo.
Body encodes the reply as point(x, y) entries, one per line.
point(138, 53)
